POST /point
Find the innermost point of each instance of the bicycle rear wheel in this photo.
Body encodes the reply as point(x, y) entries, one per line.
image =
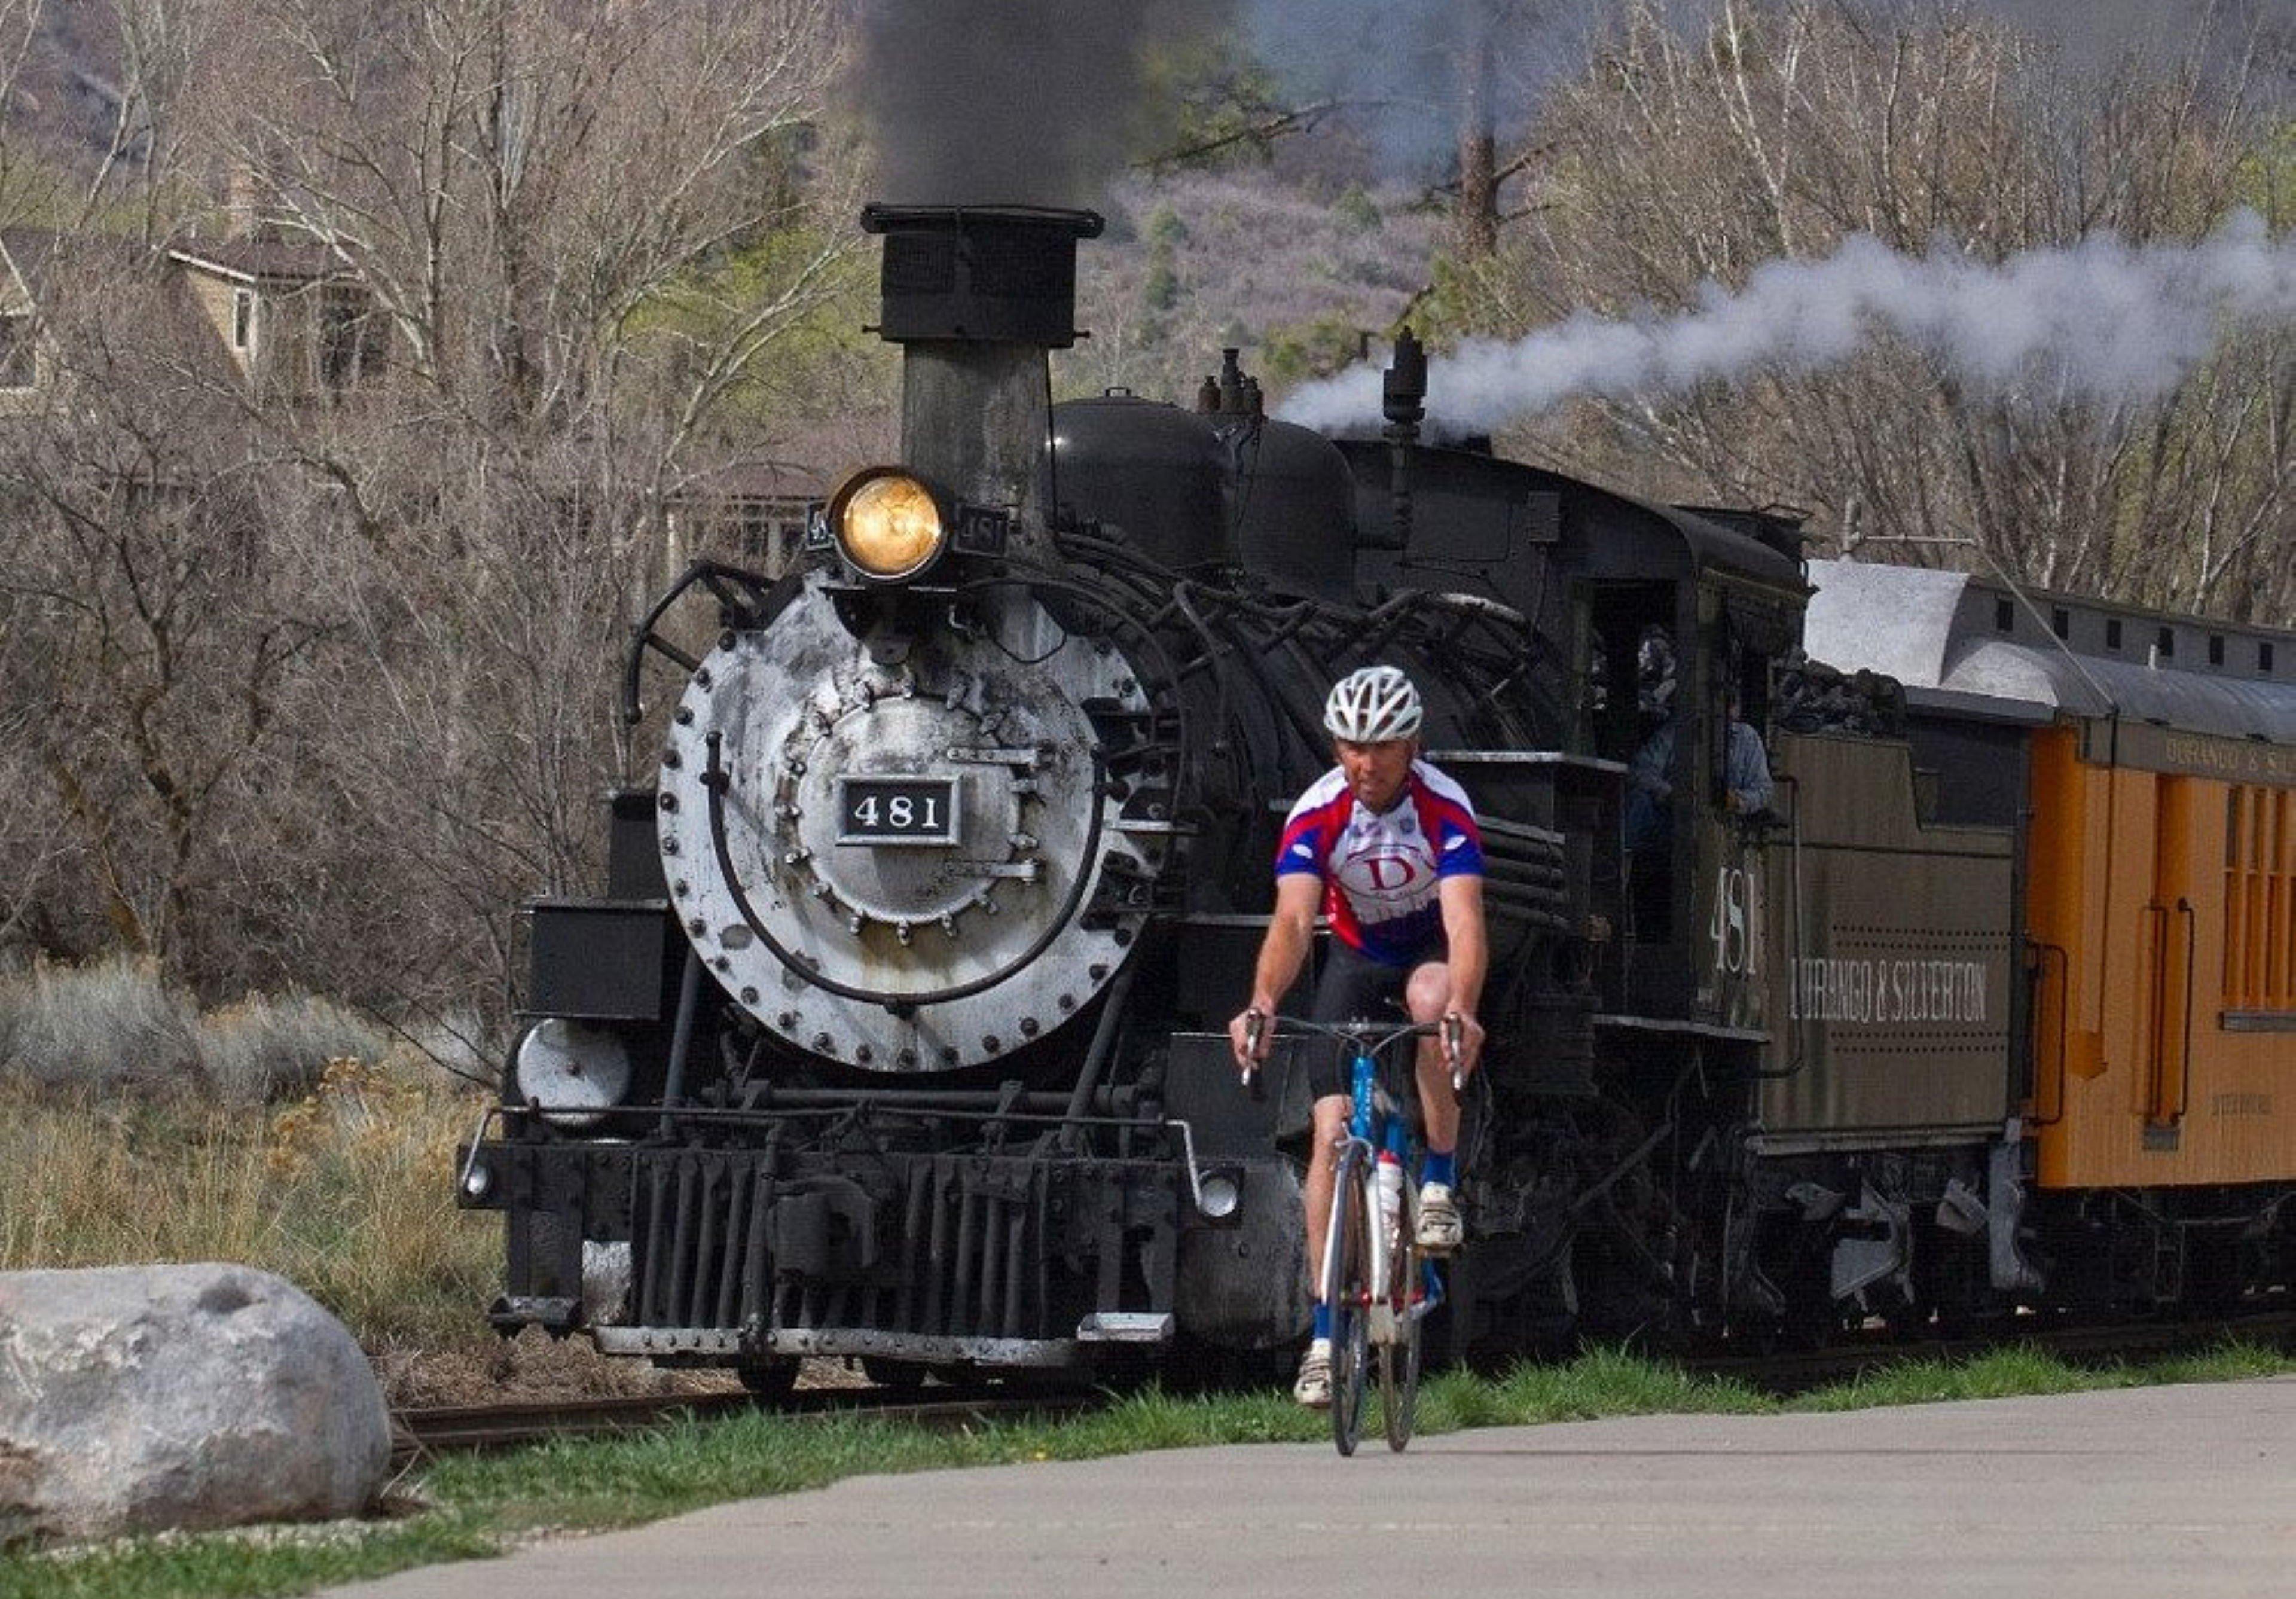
point(1347, 1276)
point(1398, 1359)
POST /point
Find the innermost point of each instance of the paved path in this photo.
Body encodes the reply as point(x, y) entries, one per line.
point(2183, 1491)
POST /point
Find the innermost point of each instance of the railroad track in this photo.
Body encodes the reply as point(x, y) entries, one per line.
point(418, 1434)
point(1788, 1371)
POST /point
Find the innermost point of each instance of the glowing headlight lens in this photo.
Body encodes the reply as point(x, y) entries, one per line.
point(889, 526)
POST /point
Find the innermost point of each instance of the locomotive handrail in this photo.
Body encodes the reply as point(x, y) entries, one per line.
point(1797, 1034)
point(2155, 919)
point(718, 576)
point(1186, 1129)
point(2192, 943)
point(2043, 951)
point(1038, 582)
point(1046, 1109)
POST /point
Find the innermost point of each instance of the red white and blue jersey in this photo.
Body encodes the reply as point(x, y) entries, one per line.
point(1380, 872)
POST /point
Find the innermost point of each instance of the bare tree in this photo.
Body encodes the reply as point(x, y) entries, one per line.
point(171, 86)
point(1784, 129)
point(324, 669)
point(164, 644)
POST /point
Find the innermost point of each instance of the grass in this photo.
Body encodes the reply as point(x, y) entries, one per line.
point(474, 1506)
point(116, 1029)
point(282, 1132)
point(347, 1193)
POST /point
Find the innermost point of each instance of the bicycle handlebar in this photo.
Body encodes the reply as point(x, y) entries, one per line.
point(1368, 1036)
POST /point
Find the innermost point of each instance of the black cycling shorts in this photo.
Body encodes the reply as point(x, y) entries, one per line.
point(1354, 987)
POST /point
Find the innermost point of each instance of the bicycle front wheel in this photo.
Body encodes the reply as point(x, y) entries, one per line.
point(1347, 1289)
point(1399, 1357)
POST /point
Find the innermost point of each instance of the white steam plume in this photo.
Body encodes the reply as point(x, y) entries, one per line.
point(2100, 321)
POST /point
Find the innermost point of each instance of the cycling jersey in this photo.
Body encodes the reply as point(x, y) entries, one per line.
point(1380, 872)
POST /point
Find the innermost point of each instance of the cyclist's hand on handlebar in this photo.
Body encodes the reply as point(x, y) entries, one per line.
point(1462, 1045)
point(1247, 1035)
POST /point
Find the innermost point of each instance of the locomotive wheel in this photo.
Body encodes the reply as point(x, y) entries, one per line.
point(771, 1379)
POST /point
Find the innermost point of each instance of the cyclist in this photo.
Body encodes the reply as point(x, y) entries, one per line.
point(1387, 847)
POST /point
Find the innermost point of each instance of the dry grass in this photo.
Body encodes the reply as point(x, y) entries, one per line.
point(266, 1049)
point(116, 1030)
point(280, 1133)
point(112, 1026)
point(348, 1192)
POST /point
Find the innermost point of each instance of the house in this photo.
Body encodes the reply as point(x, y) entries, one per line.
point(751, 512)
point(293, 317)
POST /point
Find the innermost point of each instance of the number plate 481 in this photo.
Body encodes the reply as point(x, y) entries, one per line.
point(897, 810)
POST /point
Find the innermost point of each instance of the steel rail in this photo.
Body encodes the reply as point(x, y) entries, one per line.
point(418, 1434)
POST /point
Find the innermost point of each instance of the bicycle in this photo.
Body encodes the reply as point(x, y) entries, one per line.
point(1379, 1288)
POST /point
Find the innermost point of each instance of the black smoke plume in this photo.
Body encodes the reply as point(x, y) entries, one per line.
point(1012, 101)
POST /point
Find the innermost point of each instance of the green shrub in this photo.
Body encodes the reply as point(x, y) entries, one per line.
point(1356, 208)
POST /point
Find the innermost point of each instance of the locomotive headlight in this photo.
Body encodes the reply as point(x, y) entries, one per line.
point(888, 524)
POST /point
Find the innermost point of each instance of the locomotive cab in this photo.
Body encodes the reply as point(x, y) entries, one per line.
point(1680, 623)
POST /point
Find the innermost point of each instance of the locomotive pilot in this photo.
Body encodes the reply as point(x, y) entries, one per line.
point(1386, 847)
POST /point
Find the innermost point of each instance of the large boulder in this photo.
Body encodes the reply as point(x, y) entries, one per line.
point(138, 1398)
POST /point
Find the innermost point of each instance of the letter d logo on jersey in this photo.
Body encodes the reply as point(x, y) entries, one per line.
point(1386, 873)
point(1385, 882)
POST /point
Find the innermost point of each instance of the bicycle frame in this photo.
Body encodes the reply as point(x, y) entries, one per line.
point(1380, 1130)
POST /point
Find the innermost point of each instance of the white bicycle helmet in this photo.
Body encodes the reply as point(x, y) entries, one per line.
point(1371, 705)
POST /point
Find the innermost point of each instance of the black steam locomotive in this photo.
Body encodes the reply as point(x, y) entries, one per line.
point(898, 1033)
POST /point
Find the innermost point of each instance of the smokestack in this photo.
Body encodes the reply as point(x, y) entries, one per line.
point(975, 296)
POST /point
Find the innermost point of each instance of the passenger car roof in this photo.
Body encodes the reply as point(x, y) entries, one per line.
point(1958, 641)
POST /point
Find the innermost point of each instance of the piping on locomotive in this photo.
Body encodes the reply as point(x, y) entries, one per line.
point(897, 1032)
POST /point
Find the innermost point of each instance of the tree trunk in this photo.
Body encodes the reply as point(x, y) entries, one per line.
point(1476, 221)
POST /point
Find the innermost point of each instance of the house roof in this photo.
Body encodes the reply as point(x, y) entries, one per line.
point(261, 260)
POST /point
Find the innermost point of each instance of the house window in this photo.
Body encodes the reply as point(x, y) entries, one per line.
point(17, 362)
point(2005, 616)
point(2113, 633)
point(352, 338)
point(243, 319)
point(2060, 621)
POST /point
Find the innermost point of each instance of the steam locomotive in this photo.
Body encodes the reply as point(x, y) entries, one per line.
point(898, 1031)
